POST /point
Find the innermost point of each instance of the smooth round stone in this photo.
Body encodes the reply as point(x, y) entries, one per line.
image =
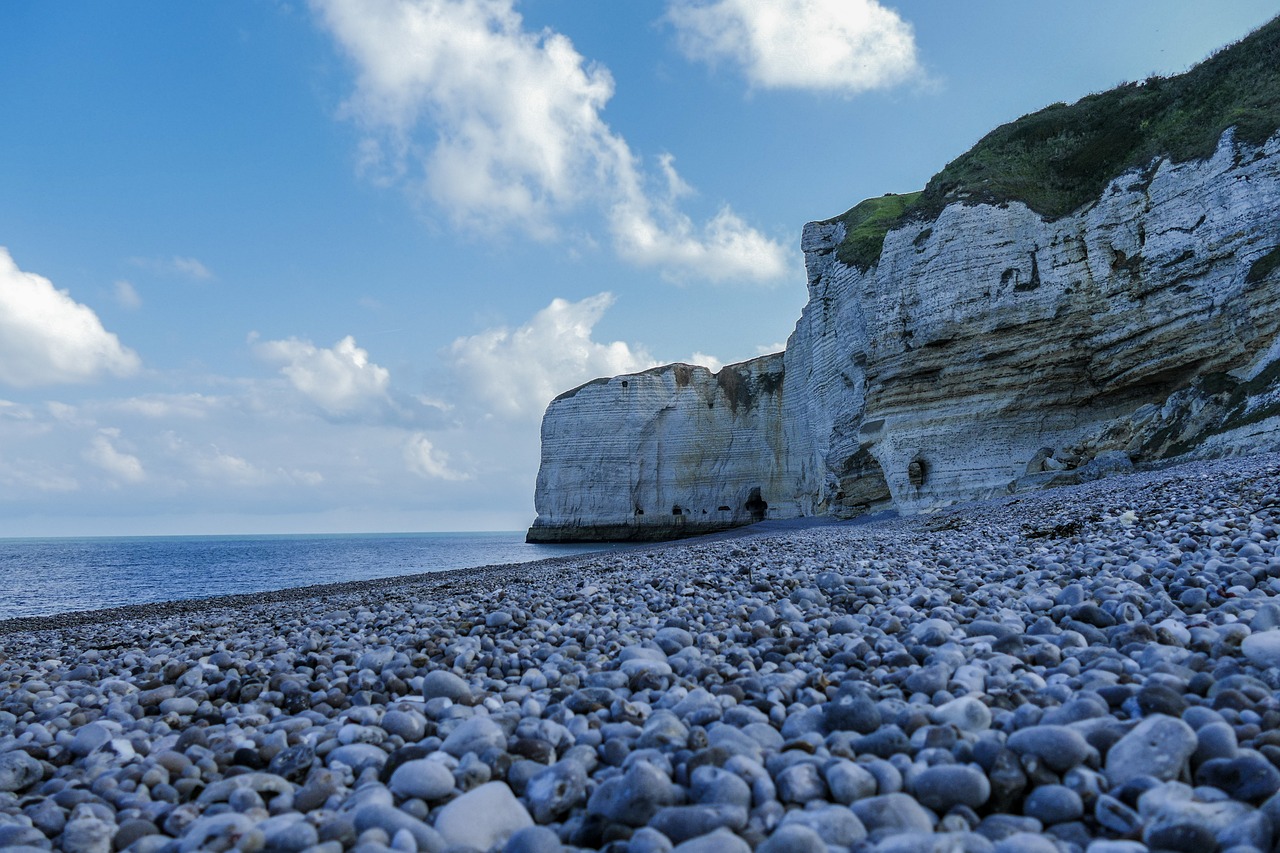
point(293, 763)
point(557, 789)
point(409, 726)
point(851, 712)
point(498, 619)
point(1215, 740)
point(672, 640)
point(423, 779)
point(18, 837)
point(835, 825)
point(1104, 845)
point(389, 819)
point(928, 680)
point(793, 838)
point(1248, 776)
point(1160, 699)
point(1250, 832)
point(1183, 837)
point(1025, 842)
point(183, 706)
point(292, 837)
point(19, 771)
point(476, 734)
point(895, 812)
point(90, 737)
point(87, 835)
point(1052, 804)
point(442, 684)
point(130, 831)
point(648, 840)
point(634, 797)
point(483, 817)
point(357, 756)
point(720, 841)
point(1159, 746)
point(680, 823)
point(848, 781)
point(801, 783)
point(1263, 648)
point(1059, 747)
point(716, 785)
point(945, 785)
point(928, 842)
point(966, 713)
point(533, 839)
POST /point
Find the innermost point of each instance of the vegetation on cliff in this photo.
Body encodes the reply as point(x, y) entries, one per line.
point(1062, 157)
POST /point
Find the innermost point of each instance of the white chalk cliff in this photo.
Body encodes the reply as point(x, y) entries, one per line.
point(986, 351)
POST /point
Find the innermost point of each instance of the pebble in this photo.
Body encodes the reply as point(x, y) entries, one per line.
point(422, 778)
point(978, 680)
point(945, 785)
point(483, 817)
point(1159, 747)
point(1263, 648)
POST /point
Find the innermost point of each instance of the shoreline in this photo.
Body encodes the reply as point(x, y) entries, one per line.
point(1089, 669)
point(448, 577)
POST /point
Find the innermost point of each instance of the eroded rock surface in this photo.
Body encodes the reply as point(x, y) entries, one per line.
point(988, 350)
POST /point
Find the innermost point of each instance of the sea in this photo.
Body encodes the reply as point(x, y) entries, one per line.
point(41, 577)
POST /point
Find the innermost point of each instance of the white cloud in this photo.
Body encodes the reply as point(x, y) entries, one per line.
point(340, 380)
point(46, 337)
point(165, 406)
point(723, 250)
point(841, 46)
point(770, 349)
point(710, 362)
point(516, 372)
point(427, 461)
point(514, 133)
point(127, 296)
point(103, 453)
point(176, 265)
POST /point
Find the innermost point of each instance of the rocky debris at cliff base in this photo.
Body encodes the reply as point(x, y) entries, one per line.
point(1091, 669)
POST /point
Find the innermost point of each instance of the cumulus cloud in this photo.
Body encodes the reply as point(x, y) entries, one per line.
point(516, 372)
point(425, 460)
point(710, 362)
point(502, 125)
point(340, 380)
point(103, 453)
point(47, 338)
point(840, 46)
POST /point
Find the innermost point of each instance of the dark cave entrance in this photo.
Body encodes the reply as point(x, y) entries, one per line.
point(756, 505)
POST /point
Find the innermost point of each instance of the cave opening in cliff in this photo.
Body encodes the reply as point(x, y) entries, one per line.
point(675, 510)
point(756, 505)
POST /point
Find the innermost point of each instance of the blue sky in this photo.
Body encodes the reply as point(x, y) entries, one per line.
point(291, 267)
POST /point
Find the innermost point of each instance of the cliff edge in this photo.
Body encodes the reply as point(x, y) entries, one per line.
point(964, 341)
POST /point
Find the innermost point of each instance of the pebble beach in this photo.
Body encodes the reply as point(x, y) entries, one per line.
point(1093, 668)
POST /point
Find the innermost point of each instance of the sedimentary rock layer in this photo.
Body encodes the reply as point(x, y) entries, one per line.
point(987, 350)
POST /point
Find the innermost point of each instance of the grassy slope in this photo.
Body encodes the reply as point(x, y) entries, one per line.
point(1062, 157)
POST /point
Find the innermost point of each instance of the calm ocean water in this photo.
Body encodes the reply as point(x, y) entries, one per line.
point(39, 577)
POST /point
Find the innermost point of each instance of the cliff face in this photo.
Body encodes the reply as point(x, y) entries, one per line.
point(671, 451)
point(986, 351)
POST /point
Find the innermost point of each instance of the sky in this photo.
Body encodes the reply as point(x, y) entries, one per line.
point(291, 267)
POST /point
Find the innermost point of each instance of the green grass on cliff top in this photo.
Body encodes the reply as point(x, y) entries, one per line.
point(1062, 157)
